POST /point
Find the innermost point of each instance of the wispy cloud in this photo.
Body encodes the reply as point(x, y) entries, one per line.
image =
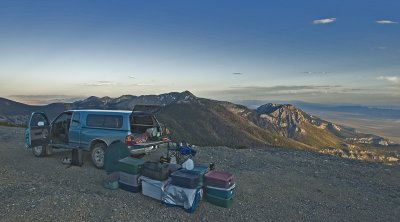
point(144, 84)
point(310, 72)
point(132, 77)
point(119, 84)
point(99, 83)
point(324, 21)
point(394, 79)
point(311, 93)
point(383, 22)
point(262, 91)
point(286, 88)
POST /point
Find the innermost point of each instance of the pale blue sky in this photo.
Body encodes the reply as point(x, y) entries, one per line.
point(316, 51)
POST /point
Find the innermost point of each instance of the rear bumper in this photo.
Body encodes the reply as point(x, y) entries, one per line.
point(145, 148)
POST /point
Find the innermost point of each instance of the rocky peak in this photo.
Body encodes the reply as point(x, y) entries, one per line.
point(91, 98)
point(124, 98)
point(284, 112)
point(180, 97)
point(188, 93)
point(128, 101)
point(268, 108)
point(93, 101)
point(105, 98)
point(286, 118)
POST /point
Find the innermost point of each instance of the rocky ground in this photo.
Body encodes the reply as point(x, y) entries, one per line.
point(272, 185)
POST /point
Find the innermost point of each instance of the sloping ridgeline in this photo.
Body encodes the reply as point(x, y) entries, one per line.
point(208, 122)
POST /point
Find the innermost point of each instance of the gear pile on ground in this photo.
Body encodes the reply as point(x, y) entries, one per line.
point(273, 185)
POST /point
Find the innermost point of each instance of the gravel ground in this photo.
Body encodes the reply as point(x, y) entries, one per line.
point(272, 185)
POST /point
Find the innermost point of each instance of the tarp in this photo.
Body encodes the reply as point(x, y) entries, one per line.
point(116, 151)
point(183, 197)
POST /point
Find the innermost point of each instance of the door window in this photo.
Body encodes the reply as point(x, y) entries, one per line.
point(63, 120)
point(38, 120)
point(76, 120)
point(38, 133)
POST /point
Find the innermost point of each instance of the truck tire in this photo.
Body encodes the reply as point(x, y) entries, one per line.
point(97, 154)
point(39, 151)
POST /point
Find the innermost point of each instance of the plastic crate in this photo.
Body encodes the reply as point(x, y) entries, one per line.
point(186, 178)
point(130, 188)
point(129, 179)
point(219, 179)
point(155, 170)
point(153, 188)
point(222, 202)
point(130, 165)
point(225, 193)
point(202, 169)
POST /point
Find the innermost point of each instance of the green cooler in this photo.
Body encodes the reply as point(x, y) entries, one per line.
point(130, 165)
point(222, 202)
point(226, 193)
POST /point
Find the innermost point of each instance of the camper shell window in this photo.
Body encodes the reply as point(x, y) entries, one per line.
point(104, 121)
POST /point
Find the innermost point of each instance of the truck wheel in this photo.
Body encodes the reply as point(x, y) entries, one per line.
point(98, 155)
point(39, 151)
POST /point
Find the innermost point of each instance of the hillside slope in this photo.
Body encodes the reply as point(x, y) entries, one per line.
point(17, 113)
point(209, 122)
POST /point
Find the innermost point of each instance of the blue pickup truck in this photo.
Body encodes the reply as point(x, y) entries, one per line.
point(94, 131)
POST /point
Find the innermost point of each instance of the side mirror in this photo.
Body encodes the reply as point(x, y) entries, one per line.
point(40, 123)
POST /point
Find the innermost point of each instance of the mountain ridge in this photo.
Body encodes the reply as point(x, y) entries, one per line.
point(211, 122)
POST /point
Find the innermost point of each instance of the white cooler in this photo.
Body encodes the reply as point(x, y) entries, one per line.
point(153, 188)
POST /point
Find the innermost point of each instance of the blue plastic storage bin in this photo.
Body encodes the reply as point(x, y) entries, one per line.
point(202, 169)
point(186, 178)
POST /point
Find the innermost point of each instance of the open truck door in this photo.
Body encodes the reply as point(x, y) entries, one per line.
point(37, 133)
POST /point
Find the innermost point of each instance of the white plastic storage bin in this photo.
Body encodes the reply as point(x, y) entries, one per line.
point(153, 188)
point(129, 179)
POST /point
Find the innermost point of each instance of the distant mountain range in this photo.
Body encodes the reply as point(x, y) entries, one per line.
point(208, 122)
point(386, 112)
